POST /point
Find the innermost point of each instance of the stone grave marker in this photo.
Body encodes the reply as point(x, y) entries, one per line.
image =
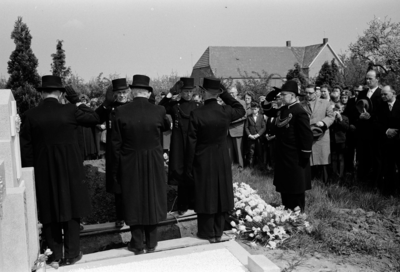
point(19, 236)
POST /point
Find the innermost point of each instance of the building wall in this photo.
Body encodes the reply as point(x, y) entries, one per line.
point(200, 73)
point(325, 55)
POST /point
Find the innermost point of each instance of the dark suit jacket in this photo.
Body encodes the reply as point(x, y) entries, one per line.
point(236, 128)
point(255, 127)
point(50, 143)
point(388, 119)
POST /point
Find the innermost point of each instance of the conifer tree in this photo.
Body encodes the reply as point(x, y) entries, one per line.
point(22, 68)
point(58, 67)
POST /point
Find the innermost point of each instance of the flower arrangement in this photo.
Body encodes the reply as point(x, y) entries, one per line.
point(40, 263)
point(261, 223)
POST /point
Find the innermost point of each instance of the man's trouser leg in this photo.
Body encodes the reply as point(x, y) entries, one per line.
point(151, 236)
point(291, 201)
point(71, 238)
point(52, 233)
point(119, 207)
point(210, 225)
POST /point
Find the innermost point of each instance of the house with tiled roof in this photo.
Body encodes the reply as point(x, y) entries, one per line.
point(232, 61)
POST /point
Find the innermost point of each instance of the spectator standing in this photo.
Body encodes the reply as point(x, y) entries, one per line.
point(321, 115)
point(324, 92)
point(235, 134)
point(255, 128)
point(338, 139)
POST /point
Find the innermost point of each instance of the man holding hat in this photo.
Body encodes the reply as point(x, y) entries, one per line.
point(50, 143)
point(138, 164)
point(322, 116)
point(208, 161)
point(119, 91)
point(293, 143)
point(180, 113)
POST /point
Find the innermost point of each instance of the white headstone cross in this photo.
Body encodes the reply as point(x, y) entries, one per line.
point(19, 236)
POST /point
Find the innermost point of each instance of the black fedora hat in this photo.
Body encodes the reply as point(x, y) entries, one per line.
point(212, 85)
point(141, 82)
point(51, 83)
point(291, 86)
point(364, 103)
point(119, 84)
point(188, 82)
point(316, 131)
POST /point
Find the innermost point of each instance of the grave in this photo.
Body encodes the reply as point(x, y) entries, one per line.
point(19, 235)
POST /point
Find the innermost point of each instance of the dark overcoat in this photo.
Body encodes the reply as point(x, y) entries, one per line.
point(50, 143)
point(107, 115)
point(207, 154)
point(138, 163)
point(180, 113)
point(293, 143)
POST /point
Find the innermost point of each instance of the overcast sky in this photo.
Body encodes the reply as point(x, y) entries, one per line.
point(160, 37)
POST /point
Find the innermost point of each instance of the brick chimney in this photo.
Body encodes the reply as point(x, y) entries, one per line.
point(325, 41)
point(288, 44)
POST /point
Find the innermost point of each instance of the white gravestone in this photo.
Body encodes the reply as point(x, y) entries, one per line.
point(19, 238)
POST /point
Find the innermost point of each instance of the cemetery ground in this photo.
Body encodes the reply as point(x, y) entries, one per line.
point(354, 228)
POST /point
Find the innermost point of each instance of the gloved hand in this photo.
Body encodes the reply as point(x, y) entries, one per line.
point(223, 88)
point(109, 97)
point(177, 88)
point(71, 95)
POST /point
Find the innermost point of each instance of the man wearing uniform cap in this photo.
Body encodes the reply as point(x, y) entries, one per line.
point(180, 113)
point(208, 162)
point(138, 164)
point(50, 143)
point(293, 143)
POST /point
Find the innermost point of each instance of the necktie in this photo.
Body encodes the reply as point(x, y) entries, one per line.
point(369, 94)
point(390, 107)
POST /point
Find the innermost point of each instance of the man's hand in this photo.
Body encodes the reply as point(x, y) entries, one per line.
point(251, 137)
point(262, 98)
point(222, 87)
point(110, 98)
point(391, 133)
point(319, 124)
point(177, 88)
point(71, 95)
point(365, 115)
point(338, 116)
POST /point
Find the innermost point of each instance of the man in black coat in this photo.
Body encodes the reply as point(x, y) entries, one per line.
point(120, 91)
point(208, 160)
point(50, 143)
point(293, 145)
point(388, 119)
point(180, 113)
point(369, 168)
point(138, 164)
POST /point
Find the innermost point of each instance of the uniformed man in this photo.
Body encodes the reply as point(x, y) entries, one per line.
point(180, 112)
point(208, 160)
point(293, 147)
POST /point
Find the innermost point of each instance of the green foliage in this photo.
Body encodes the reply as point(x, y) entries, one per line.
point(257, 83)
point(329, 74)
point(354, 70)
point(58, 67)
point(163, 84)
point(297, 72)
point(3, 82)
point(22, 68)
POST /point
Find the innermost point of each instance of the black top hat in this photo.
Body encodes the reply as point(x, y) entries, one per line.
point(119, 84)
point(316, 131)
point(51, 83)
point(364, 103)
point(142, 82)
point(212, 85)
point(291, 86)
point(188, 82)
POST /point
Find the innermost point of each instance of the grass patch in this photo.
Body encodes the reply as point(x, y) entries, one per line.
point(346, 219)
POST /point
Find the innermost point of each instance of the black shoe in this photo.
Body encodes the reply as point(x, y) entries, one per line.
point(150, 250)
point(71, 261)
point(135, 250)
point(211, 240)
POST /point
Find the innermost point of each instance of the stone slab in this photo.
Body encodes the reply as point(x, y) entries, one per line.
point(232, 246)
point(6, 154)
point(28, 178)
point(5, 112)
point(260, 263)
point(14, 230)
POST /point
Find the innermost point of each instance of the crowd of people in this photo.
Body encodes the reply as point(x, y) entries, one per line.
point(321, 132)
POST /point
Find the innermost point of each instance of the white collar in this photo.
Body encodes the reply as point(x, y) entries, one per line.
point(391, 103)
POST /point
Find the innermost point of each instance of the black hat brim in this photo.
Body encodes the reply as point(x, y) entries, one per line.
point(272, 94)
point(122, 88)
point(41, 89)
point(149, 88)
point(213, 91)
